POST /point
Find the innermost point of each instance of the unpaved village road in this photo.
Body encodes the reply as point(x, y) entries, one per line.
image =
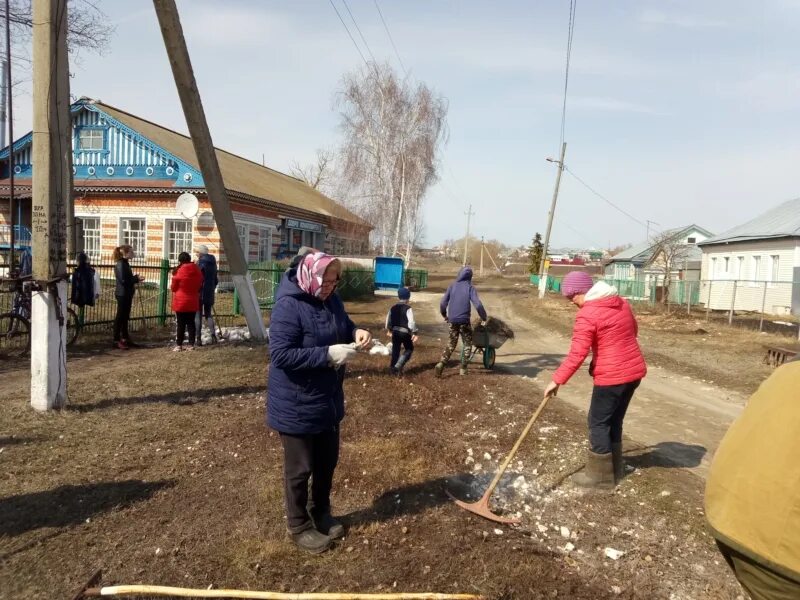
point(681, 418)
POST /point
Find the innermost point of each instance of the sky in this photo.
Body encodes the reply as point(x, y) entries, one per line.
point(678, 111)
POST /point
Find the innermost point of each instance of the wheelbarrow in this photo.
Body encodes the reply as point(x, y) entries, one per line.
point(485, 343)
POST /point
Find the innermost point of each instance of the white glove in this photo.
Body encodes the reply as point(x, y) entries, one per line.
point(339, 354)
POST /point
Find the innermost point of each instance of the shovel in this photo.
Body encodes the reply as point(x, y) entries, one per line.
point(481, 507)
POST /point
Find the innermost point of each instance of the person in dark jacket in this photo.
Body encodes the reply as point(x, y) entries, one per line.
point(402, 328)
point(124, 291)
point(311, 339)
point(456, 309)
point(207, 264)
point(187, 281)
point(85, 288)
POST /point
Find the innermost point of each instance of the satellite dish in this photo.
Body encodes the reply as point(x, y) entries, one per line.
point(187, 205)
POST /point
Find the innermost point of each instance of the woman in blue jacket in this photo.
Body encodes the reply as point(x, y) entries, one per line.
point(311, 337)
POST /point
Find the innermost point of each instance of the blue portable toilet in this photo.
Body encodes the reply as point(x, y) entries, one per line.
point(389, 273)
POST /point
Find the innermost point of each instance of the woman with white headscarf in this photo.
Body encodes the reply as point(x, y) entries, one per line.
point(311, 339)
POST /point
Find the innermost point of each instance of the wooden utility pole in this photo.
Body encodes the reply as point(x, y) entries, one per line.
point(51, 192)
point(545, 265)
point(178, 53)
point(469, 214)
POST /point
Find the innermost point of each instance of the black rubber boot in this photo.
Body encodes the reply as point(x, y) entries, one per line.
point(327, 525)
point(309, 539)
point(619, 464)
point(598, 474)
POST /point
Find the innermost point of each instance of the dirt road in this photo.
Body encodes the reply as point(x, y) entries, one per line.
point(680, 417)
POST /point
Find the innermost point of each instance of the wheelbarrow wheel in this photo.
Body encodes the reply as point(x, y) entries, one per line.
point(489, 356)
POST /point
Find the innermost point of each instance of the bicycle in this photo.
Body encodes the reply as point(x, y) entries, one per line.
point(15, 325)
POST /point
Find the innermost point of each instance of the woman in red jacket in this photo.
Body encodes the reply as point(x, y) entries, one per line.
point(187, 279)
point(605, 325)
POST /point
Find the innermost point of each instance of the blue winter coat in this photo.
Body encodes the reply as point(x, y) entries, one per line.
point(455, 304)
point(304, 394)
point(208, 266)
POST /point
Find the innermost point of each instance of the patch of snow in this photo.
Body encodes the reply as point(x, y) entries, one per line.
point(613, 554)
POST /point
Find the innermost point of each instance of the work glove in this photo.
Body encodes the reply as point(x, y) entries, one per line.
point(339, 354)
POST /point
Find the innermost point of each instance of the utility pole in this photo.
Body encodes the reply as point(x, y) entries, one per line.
point(544, 266)
point(648, 228)
point(483, 247)
point(469, 214)
point(51, 191)
point(178, 53)
point(8, 97)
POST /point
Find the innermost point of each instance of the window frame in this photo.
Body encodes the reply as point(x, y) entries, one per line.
point(92, 128)
point(121, 234)
point(166, 239)
point(262, 231)
point(97, 254)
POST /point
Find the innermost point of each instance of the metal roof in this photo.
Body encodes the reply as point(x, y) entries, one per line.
point(781, 221)
point(643, 252)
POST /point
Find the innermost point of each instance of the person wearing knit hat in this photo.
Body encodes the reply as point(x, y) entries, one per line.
point(606, 326)
point(402, 328)
point(207, 263)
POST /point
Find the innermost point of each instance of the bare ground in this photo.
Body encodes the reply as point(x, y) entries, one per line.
point(162, 471)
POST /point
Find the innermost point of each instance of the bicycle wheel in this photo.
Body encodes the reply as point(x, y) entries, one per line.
point(73, 326)
point(15, 335)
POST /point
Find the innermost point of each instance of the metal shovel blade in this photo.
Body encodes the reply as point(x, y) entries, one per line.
point(481, 508)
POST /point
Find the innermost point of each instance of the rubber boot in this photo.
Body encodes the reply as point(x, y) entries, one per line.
point(309, 539)
point(619, 464)
point(598, 474)
point(439, 368)
point(327, 525)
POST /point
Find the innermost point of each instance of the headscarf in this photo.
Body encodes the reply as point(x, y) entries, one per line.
point(311, 270)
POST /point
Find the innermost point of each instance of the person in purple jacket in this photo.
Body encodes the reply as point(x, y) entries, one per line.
point(456, 308)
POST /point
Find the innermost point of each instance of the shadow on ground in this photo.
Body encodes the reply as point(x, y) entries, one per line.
point(182, 398)
point(72, 504)
point(531, 365)
point(675, 455)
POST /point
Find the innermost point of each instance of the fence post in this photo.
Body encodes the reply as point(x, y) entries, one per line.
point(688, 296)
point(235, 302)
point(708, 300)
point(163, 279)
point(733, 304)
point(763, 308)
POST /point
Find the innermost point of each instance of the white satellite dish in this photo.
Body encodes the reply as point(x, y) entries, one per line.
point(187, 205)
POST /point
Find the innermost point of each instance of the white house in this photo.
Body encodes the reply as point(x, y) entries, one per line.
point(755, 266)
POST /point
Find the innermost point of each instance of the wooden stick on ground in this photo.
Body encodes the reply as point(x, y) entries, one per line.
point(159, 590)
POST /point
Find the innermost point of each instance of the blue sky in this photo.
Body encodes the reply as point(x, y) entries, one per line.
point(678, 111)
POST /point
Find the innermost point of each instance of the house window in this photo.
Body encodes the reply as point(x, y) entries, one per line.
point(714, 268)
point(691, 240)
point(739, 267)
point(775, 267)
point(133, 232)
point(756, 268)
point(727, 261)
point(264, 244)
point(179, 239)
point(91, 139)
point(244, 240)
point(90, 237)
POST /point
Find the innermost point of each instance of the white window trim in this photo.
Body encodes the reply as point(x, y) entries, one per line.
point(165, 237)
point(98, 254)
point(755, 274)
point(119, 231)
point(271, 232)
point(773, 280)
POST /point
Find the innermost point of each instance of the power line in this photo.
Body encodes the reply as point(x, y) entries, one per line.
point(603, 198)
point(350, 35)
point(571, 29)
point(358, 29)
point(388, 33)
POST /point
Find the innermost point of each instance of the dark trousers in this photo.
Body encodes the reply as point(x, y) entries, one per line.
point(401, 340)
point(122, 317)
point(761, 582)
point(186, 321)
point(308, 457)
point(606, 413)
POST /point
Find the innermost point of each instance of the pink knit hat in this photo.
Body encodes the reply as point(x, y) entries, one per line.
point(576, 282)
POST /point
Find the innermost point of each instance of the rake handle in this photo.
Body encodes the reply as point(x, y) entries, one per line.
point(511, 454)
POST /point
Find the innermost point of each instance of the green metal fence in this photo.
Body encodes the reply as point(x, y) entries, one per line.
point(416, 279)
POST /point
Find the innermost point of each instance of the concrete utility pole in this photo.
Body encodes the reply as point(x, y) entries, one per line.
point(545, 266)
point(51, 192)
point(469, 214)
point(8, 98)
point(179, 60)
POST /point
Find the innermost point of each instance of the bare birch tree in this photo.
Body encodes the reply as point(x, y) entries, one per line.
point(393, 132)
point(670, 254)
point(320, 174)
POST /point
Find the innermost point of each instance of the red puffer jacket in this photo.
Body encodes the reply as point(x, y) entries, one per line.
point(186, 284)
point(607, 327)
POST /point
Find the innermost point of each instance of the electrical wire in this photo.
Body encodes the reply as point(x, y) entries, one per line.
point(350, 35)
point(358, 29)
point(391, 39)
point(571, 29)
